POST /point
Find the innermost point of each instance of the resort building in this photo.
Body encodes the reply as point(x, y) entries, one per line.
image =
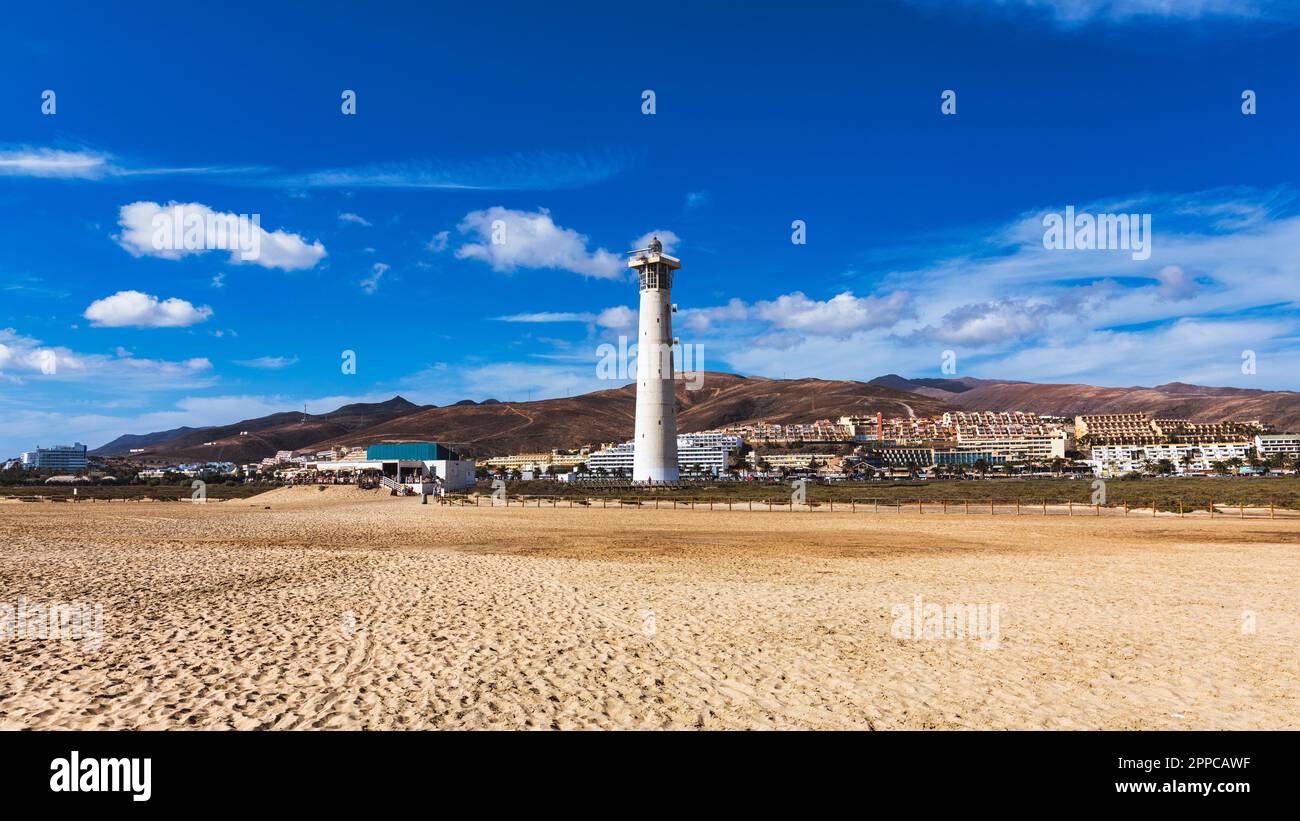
point(1183, 457)
point(60, 457)
point(1273, 444)
point(697, 453)
point(1040, 446)
point(540, 462)
point(793, 461)
point(409, 463)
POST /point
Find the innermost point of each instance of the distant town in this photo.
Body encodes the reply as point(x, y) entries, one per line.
point(976, 444)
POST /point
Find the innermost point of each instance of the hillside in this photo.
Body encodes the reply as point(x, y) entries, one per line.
point(1176, 399)
point(491, 427)
point(610, 415)
point(253, 439)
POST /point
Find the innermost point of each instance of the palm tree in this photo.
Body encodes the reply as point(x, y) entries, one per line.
point(1254, 461)
point(1188, 459)
point(1235, 464)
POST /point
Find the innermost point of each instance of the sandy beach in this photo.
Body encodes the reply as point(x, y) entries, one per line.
point(345, 609)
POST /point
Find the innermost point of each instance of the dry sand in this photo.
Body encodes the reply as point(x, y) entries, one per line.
point(344, 609)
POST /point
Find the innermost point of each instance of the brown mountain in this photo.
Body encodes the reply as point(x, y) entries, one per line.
point(490, 427)
point(253, 439)
point(610, 415)
point(1174, 400)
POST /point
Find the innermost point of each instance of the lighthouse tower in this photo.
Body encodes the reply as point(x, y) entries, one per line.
point(654, 457)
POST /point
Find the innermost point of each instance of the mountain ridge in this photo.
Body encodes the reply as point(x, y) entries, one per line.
point(490, 427)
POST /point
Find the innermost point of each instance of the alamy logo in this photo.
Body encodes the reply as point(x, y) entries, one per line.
point(77, 774)
point(189, 229)
point(1102, 232)
point(73, 621)
point(684, 360)
point(959, 621)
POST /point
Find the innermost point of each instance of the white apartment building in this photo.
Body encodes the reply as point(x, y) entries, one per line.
point(1271, 444)
point(543, 462)
point(794, 461)
point(697, 453)
point(1025, 447)
point(1116, 460)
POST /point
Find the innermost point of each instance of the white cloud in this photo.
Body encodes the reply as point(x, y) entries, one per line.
point(147, 231)
point(701, 319)
point(140, 310)
point(23, 428)
point(991, 322)
point(550, 316)
point(1175, 284)
point(536, 171)
point(669, 239)
point(1075, 12)
point(438, 243)
point(268, 363)
point(355, 219)
point(511, 239)
point(842, 314)
point(505, 382)
point(49, 162)
point(371, 283)
point(618, 317)
point(219, 281)
point(83, 164)
point(28, 357)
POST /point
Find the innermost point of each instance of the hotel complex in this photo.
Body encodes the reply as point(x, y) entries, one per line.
point(60, 457)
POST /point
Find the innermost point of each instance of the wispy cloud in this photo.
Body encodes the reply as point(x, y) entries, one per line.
point(534, 171)
point(530, 171)
point(87, 164)
point(619, 316)
point(1076, 12)
point(268, 363)
point(371, 283)
point(26, 357)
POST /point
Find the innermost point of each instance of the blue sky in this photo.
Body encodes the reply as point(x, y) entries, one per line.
point(924, 231)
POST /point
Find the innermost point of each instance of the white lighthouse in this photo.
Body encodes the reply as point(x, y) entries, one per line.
point(654, 457)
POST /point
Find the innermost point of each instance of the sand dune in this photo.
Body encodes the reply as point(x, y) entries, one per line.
point(351, 609)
